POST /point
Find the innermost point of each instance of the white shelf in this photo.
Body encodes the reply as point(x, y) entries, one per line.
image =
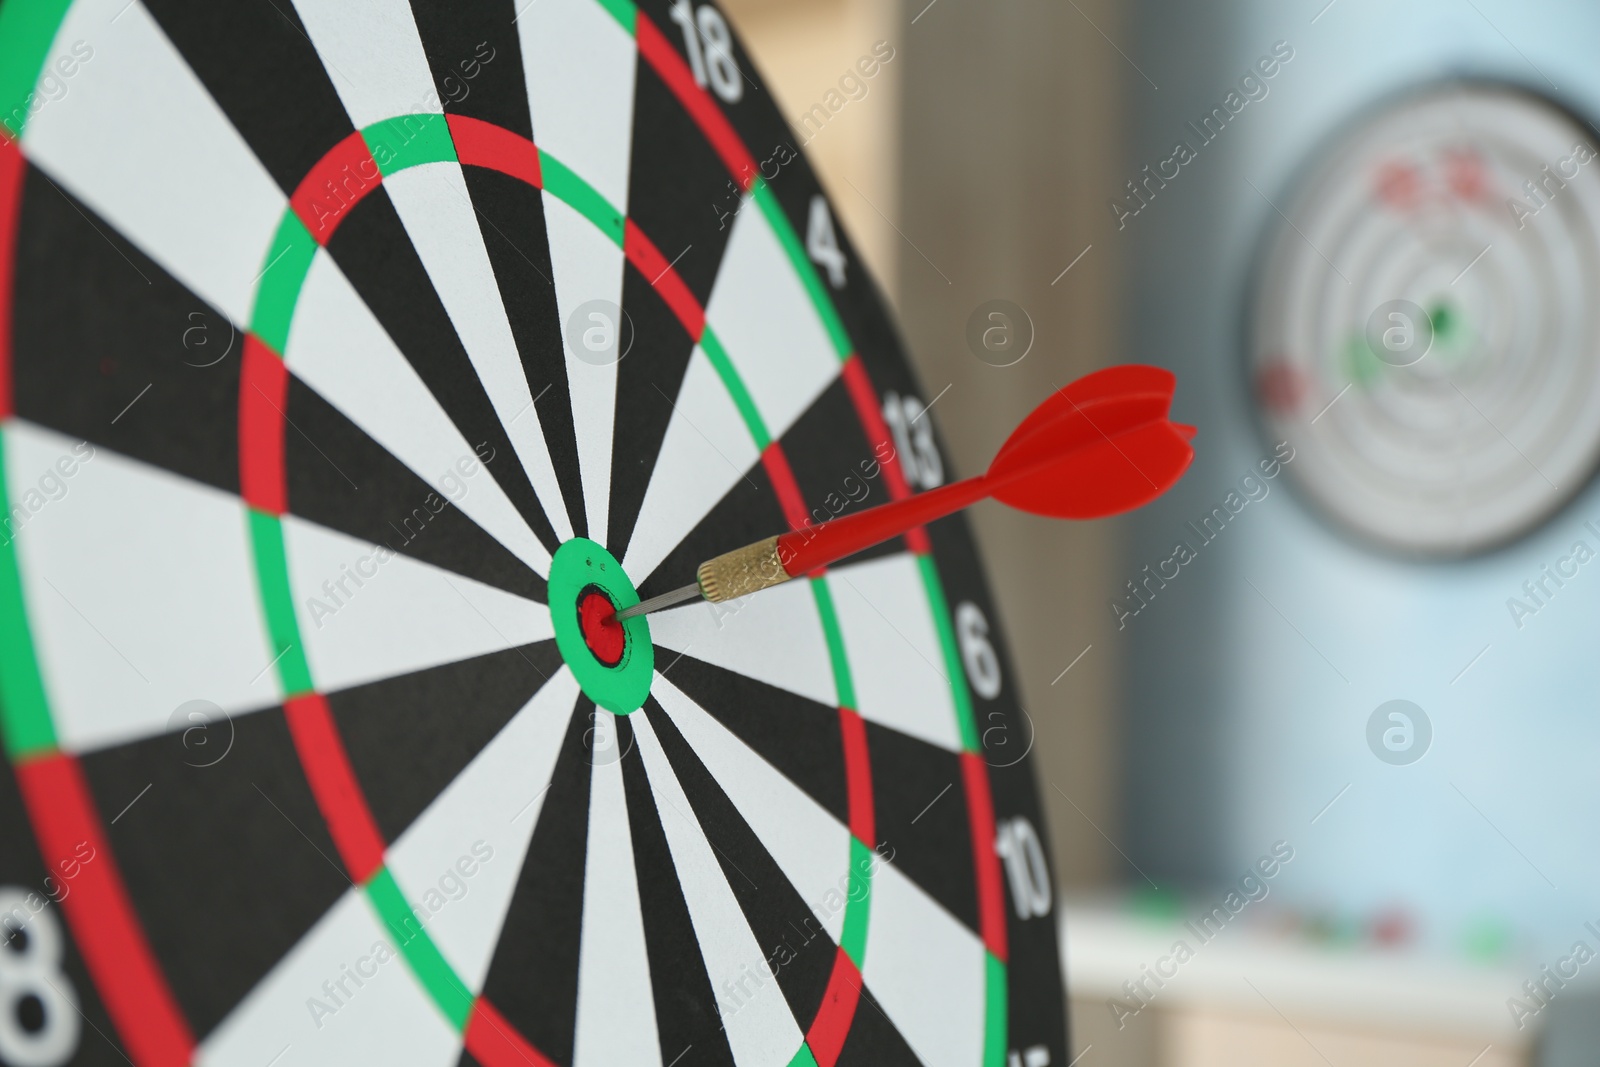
point(1257, 971)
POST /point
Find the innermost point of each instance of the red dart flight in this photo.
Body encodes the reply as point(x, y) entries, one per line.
point(1101, 446)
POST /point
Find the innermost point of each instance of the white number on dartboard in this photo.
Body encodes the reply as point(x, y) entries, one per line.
point(1032, 1056)
point(714, 62)
point(913, 440)
point(38, 1006)
point(977, 654)
point(1019, 846)
point(822, 244)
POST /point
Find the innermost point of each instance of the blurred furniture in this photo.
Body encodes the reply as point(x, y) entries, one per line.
point(1257, 996)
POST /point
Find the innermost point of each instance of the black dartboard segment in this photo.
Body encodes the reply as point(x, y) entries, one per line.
point(329, 336)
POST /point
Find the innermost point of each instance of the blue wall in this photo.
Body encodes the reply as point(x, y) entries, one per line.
point(1237, 728)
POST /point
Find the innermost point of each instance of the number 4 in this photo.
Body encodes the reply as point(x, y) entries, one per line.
point(822, 244)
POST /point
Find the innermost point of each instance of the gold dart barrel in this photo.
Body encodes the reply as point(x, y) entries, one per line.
point(743, 571)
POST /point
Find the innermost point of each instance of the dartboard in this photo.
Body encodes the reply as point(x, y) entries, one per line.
point(1425, 333)
point(358, 360)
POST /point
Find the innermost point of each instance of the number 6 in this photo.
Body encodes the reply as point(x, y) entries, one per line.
point(977, 654)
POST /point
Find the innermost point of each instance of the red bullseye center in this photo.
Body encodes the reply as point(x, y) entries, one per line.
point(597, 619)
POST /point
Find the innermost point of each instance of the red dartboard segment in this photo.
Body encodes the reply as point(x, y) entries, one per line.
point(104, 925)
point(840, 999)
point(985, 860)
point(263, 395)
point(483, 144)
point(340, 180)
point(494, 1042)
point(858, 776)
point(333, 783)
point(784, 486)
point(643, 254)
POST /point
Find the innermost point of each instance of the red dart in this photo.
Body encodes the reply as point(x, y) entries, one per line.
point(1101, 446)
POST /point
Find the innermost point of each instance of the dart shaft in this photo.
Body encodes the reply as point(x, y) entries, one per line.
point(665, 600)
point(813, 547)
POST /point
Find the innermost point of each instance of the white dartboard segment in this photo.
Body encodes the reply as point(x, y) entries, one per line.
point(128, 139)
point(373, 56)
point(809, 845)
point(462, 857)
point(740, 635)
point(588, 268)
point(706, 436)
point(766, 322)
point(367, 613)
point(895, 656)
point(579, 64)
point(927, 971)
point(338, 347)
point(132, 619)
point(759, 1027)
point(386, 1019)
point(616, 1000)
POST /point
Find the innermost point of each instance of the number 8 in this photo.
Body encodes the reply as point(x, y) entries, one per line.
point(33, 970)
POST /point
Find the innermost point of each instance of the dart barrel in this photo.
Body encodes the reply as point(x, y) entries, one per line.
point(743, 571)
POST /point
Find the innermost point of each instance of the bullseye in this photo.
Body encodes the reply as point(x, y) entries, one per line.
point(611, 658)
point(597, 619)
